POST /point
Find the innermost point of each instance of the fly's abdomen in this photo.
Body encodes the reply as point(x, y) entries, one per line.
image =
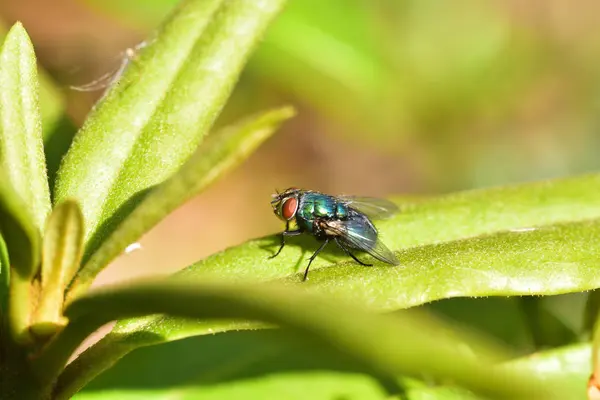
point(341, 211)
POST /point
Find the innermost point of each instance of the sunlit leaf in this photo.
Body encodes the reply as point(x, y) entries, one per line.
point(502, 241)
point(21, 146)
point(24, 193)
point(157, 113)
point(528, 239)
point(223, 151)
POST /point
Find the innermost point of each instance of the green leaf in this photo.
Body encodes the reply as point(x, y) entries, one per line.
point(504, 319)
point(19, 231)
point(62, 249)
point(153, 119)
point(24, 193)
point(370, 339)
point(474, 243)
point(250, 365)
point(497, 317)
point(442, 252)
point(57, 140)
point(224, 151)
point(21, 147)
point(566, 367)
point(259, 365)
point(22, 243)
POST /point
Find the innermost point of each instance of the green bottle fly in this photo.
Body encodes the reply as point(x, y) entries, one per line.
point(346, 220)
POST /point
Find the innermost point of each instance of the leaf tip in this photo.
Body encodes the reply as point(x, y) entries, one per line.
point(18, 32)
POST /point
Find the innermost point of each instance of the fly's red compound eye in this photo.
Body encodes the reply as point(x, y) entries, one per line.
point(289, 207)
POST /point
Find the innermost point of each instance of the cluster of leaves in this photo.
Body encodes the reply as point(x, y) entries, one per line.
point(137, 158)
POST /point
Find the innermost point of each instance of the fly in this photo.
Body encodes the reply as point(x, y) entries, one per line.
point(345, 220)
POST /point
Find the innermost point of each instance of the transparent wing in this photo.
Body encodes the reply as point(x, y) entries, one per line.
point(372, 207)
point(355, 235)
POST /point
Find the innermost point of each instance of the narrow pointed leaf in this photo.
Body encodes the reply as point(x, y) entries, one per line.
point(62, 248)
point(24, 194)
point(370, 339)
point(224, 151)
point(256, 364)
point(21, 146)
point(501, 241)
point(252, 365)
point(157, 113)
point(22, 241)
point(527, 239)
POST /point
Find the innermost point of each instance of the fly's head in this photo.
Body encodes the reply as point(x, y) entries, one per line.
point(285, 204)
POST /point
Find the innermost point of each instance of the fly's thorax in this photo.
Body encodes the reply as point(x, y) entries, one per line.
point(304, 215)
point(317, 205)
point(314, 207)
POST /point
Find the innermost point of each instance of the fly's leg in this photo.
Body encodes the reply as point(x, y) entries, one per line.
point(283, 235)
point(343, 247)
point(315, 254)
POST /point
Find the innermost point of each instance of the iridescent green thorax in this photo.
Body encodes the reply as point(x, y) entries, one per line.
point(317, 205)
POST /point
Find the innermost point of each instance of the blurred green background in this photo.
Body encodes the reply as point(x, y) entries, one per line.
point(394, 97)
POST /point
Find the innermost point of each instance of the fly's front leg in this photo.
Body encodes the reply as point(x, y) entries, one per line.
point(285, 233)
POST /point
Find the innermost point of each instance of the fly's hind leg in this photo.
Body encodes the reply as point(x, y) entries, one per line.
point(343, 247)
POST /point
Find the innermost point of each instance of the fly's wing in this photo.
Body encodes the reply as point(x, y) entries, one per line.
point(359, 234)
point(372, 207)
